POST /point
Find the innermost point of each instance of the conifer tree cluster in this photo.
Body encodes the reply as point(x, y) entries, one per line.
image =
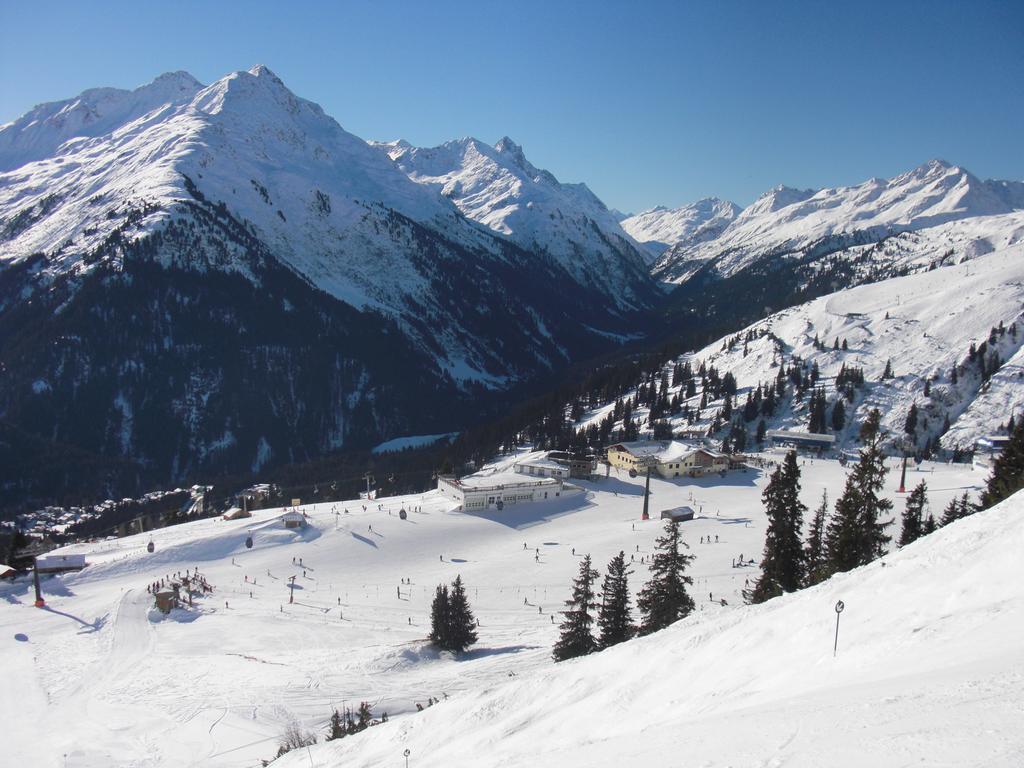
point(452, 626)
point(614, 619)
point(1007, 471)
point(956, 509)
point(817, 408)
point(348, 723)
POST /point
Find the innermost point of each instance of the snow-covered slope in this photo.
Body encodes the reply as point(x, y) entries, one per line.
point(694, 223)
point(924, 324)
point(43, 131)
point(217, 687)
point(786, 220)
point(498, 187)
point(929, 670)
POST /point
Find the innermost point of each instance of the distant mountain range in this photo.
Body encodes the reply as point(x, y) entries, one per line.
point(198, 280)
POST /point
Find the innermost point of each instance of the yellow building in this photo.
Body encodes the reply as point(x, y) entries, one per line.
point(668, 458)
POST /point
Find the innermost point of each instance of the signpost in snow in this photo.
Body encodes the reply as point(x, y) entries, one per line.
point(406, 755)
point(839, 609)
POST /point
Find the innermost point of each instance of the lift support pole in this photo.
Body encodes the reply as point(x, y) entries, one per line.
point(40, 603)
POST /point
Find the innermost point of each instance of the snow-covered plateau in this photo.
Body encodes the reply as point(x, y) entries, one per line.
point(930, 669)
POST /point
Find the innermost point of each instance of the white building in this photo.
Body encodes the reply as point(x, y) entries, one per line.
point(502, 489)
point(60, 563)
point(786, 438)
point(987, 449)
point(541, 466)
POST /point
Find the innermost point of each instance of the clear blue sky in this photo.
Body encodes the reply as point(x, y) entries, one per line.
point(647, 102)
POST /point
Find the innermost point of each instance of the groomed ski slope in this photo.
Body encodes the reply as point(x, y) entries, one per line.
point(220, 689)
point(930, 671)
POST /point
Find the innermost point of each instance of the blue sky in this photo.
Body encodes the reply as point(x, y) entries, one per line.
point(647, 102)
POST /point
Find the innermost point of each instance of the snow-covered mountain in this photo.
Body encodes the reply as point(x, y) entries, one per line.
point(952, 336)
point(660, 228)
point(116, 204)
point(98, 111)
point(499, 188)
point(786, 221)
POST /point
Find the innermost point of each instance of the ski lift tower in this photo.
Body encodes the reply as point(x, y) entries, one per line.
point(645, 463)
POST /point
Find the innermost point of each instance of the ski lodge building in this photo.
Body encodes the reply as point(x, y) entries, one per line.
point(987, 450)
point(541, 466)
point(557, 464)
point(496, 491)
point(60, 563)
point(784, 438)
point(668, 458)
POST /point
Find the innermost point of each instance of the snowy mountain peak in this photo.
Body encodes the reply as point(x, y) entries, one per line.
point(44, 129)
point(695, 222)
point(776, 198)
point(179, 79)
point(499, 188)
point(787, 219)
point(262, 70)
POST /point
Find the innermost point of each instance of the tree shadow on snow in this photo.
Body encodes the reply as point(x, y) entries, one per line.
point(480, 653)
point(87, 628)
point(365, 540)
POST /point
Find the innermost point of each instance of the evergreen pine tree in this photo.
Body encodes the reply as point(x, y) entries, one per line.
point(613, 618)
point(364, 716)
point(1007, 471)
point(951, 513)
point(664, 599)
point(577, 638)
point(461, 624)
point(439, 610)
point(913, 515)
point(337, 727)
point(910, 423)
point(815, 556)
point(887, 373)
point(929, 525)
point(856, 533)
point(838, 415)
point(782, 565)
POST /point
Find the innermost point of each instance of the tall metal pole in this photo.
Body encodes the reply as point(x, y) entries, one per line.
point(647, 491)
point(40, 603)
